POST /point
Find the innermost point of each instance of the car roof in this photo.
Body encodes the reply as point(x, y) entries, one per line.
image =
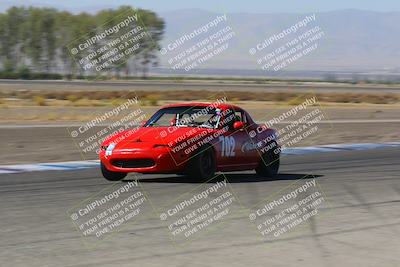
point(202, 104)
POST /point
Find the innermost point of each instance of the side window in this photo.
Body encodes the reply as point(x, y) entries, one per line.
point(232, 116)
point(228, 118)
point(240, 116)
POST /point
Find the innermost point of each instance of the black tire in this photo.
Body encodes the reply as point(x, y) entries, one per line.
point(202, 166)
point(269, 164)
point(112, 176)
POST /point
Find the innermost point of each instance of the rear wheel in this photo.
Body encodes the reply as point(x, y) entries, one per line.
point(269, 164)
point(112, 176)
point(202, 166)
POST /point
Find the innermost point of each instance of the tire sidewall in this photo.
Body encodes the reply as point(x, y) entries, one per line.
point(269, 164)
point(197, 168)
point(111, 176)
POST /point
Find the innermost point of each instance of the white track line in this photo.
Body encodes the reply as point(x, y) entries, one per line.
point(76, 165)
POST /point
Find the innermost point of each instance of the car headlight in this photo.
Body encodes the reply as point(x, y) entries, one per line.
point(109, 149)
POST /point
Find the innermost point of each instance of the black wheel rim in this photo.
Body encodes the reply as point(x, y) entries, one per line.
point(206, 162)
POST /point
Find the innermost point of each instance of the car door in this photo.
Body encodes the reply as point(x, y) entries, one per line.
point(234, 148)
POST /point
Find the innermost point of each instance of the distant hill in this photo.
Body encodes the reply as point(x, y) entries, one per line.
point(354, 40)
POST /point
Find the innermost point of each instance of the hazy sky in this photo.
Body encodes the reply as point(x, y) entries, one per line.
point(251, 6)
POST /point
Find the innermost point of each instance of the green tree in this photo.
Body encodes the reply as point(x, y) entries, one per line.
point(36, 39)
point(48, 27)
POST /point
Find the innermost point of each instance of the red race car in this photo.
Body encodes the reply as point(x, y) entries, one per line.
point(193, 139)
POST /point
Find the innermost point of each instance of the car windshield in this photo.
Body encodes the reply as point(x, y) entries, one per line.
point(186, 116)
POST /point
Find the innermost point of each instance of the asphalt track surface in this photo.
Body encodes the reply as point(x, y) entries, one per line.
point(196, 85)
point(360, 227)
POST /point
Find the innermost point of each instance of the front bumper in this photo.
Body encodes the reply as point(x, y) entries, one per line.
point(154, 160)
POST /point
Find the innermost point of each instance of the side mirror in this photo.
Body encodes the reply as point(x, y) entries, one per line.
point(238, 125)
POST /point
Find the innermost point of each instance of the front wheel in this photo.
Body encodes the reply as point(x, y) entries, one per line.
point(269, 164)
point(112, 176)
point(202, 166)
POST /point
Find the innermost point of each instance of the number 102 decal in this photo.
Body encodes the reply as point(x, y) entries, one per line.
point(228, 146)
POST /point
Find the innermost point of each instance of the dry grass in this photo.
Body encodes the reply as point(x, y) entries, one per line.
point(152, 98)
point(72, 98)
point(39, 100)
point(295, 101)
